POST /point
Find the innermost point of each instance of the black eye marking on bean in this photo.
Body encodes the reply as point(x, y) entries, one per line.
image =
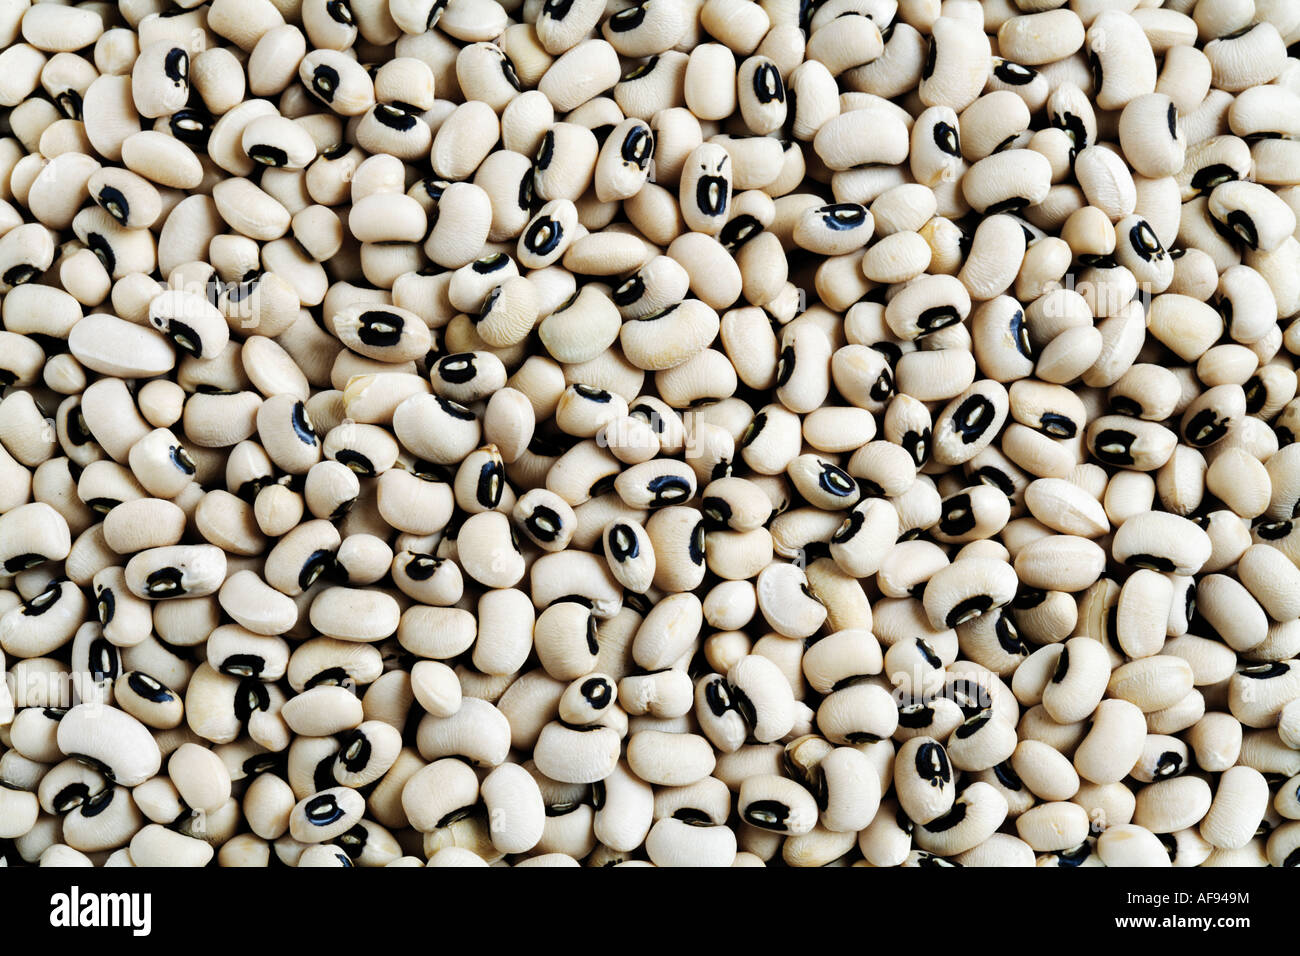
point(596, 692)
point(638, 146)
point(1256, 394)
point(380, 329)
point(1094, 64)
point(146, 688)
point(394, 117)
point(1008, 637)
point(543, 236)
point(1013, 74)
point(355, 752)
point(1144, 242)
point(1171, 118)
point(972, 418)
point(1007, 143)
point(557, 10)
point(1124, 405)
point(1170, 764)
point(1205, 428)
point(629, 291)
point(164, 582)
point(1010, 204)
point(911, 716)
point(627, 20)
point(1062, 666)
point(738, 231)
point(102, 660)
point(243, 665)
point(454, 409)
point(835, 481)
point(883, 387)
point(716, 509)
point(100, 247)
point(70, 797)
point(917, 445)
point(301, 423)
point(98, 803)
point(268, 155)
point(931, 56)
point(718, 697)
point(114, 203)
point(69, 104)
point(946, 138)
point(932, 765)
point(668, 489)
point(712, 194)
point(422, 567)
point(602, 485)
point(18, 275)
point(105, 606)
point(974, 724)
point(1008, 777)
point(643, 70)
point(545, 152)
point(1274, 530)
point(843, 216)
point(543, 524)
point(184, 337)
point(1058, 426)
point(325, 82)
point(695, 550)
point(1206, 178)
point(1266, 671)
point(323, 810)
point(44, 601)
point(767, 84)
point(949, 820)
point(767, 814)
point(457, 369)
point(1243, 227)
point(315, 565)
point(957, 517)
point(356, 461)
point(1114, 446)
point(176, 66)
point(969, 609)
point(340, 12)
point(754, 429)
point(937, 317)
point(592, 633)
point(251, 697)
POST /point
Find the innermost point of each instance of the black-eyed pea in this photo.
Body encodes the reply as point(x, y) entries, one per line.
point(883, 468)
point(1045, 771)
point(972, 514)
point(976, 814)
point(1252, 214)
point(1060, 563)
point(1152, 683)
point(1240, 801)
point(859, 713)
point(964, 589)
point(1053, 826)
point(480, 483)
point(1114, 743)
point(923, 778)
point(981, 741)
point(1007, 181)
point(1079, 681)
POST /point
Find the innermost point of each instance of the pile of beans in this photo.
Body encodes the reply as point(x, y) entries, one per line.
point(674, 432)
